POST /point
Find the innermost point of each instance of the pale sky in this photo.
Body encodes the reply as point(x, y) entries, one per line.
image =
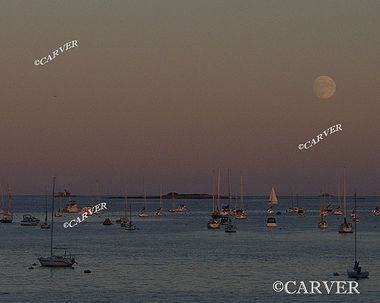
point(169, 90)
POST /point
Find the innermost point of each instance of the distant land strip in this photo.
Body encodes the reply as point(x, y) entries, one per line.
point(169, 196)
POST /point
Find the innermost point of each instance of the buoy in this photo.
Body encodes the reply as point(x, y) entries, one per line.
point(87, 271)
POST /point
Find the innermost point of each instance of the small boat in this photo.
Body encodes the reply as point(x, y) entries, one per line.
point(29, 220)
point(45, 225)
point(213, 224)
point(172, 210)
point(55, 260)
point(301, 213)
point(338, 211)
point(125, 218)
point(224, 220)
point(292, 209)
point(272, 197)
point(159, 211)
point(71, 207)
point(324, 212)
point(107, 221)
point(129, 225)
point(6, 219)
point(85, 210)
point(354, 217)
point(322, 224)
point(278, 213)
point(270, 210)
point(58, 213)
point(345, 227)
point(240, 214)
point(271, 222)
point(230, 228)
point(144, 213)
point(7, 216)
point(376, 211)
point(181, 208)
point(357, 272)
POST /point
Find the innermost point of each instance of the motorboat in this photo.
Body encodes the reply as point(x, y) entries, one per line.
point(230, 228)
point(271, 222)
point(213, 224)
point(6, 219)
point(71, 207)
point(182, 208)
point(29, 220)
point(270, 211)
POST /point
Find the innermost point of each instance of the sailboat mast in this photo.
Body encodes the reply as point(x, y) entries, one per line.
point(2, 197)
point(52, 218)
point(229, 189)
point(144, 194)
point(160, 195)
point(126, 215)
point(9, 198)
point(324, 197)
point(340, 202)
point(297, 200)
point(172, 200)
point(218, 197)
point(46, 204)
point(292, 199)
point(241, 192)
point(213, 191)
point(355, 231)
point(344, 192)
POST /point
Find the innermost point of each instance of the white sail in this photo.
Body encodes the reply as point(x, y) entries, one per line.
point(273, 197)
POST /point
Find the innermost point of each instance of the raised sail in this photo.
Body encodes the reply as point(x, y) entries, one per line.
point(272, 197)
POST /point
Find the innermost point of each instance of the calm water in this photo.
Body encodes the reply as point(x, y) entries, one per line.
point(175, 258)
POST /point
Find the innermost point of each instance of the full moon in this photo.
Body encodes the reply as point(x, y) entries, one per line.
point(324, 87)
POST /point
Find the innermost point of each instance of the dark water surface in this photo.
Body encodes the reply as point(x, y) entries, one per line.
point(175, 258)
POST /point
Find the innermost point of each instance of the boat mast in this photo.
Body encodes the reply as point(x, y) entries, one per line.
point(344, 192)
point(9, 198)
point(213, 191)
point(355, 230)
point(340, 202)
point(241, 191)
point(52, 216)
point(321, 204)
point(144, 194)
point(46, 204)
point(292, 198)
point(297, 200)
point(2, 197)
point(160, 196)
point(125, 194)
point(324, 197)
point(218, 195)
point(173, 200)
point(229, 189)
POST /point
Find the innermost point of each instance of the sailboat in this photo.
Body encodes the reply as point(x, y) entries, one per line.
point(230, 228)
point(129, 225)
point(2, 200)
point(144, 212)
point(125, 218)
point(376, 211)
point(345, 227)
point(8, 215)
point(338, 211)
point(227, 209)
point(45, 225)
point(301, 210)
point(172, 210)
point(58, 213)
point(159, 211)
point(272, 197)
point(292, 209)
point(240, 213)
point(214, 223)
point(55, 260)
point(357, 272)
point(322, 224)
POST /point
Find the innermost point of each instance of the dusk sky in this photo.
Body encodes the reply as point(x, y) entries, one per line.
point(170, 90)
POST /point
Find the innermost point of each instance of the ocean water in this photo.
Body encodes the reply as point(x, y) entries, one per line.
point(175, 258)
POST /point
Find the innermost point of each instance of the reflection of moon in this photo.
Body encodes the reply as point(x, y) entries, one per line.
point(324, 87)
